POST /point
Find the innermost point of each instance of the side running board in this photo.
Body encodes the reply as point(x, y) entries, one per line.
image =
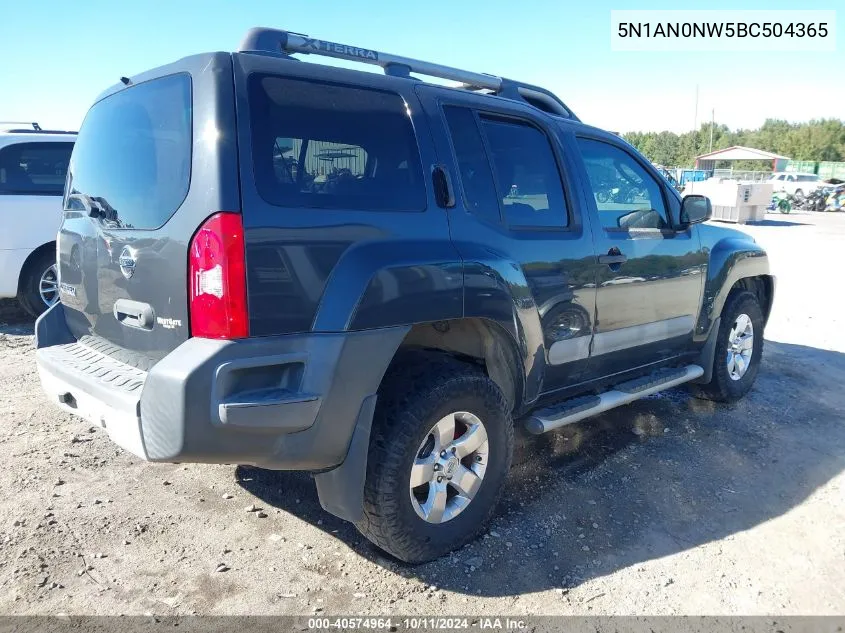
point(577, 409)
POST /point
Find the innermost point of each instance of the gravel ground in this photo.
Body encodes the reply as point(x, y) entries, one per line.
point(668, 506)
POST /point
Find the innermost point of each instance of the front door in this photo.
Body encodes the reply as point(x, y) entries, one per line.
point(650, 275)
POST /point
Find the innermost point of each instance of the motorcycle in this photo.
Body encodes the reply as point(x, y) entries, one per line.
point(624, 194)
point(836, 199)
point(816, 200)
point(782, 201)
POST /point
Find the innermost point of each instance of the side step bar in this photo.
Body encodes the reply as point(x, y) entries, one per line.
point(577, 409)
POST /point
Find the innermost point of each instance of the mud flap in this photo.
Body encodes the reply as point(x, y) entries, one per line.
point(341, 490)
point(708, 353)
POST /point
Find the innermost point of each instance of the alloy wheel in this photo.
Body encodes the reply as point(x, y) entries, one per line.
point(740, 347)
point(48, 286)
point(449, 467)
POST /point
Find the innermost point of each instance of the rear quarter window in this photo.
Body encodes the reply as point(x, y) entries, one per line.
point(329, 146)
point(34, 168)
point(132, 162)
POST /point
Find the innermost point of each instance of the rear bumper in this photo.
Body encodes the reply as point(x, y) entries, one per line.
point(287, 402)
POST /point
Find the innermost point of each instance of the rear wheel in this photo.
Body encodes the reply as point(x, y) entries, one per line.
point(440, 450)
point(40, 284)
point(739, 350)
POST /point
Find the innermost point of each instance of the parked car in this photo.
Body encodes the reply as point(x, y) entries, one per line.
point(795, 184)
point(33, 164)
point(375, 279)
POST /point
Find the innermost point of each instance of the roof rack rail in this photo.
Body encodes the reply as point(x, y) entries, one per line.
point(33, 124)
point(279, 41)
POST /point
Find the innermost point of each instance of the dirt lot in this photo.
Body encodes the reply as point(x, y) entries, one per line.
point(671, 505)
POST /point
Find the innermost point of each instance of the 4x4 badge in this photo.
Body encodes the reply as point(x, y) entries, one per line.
point(127, 262)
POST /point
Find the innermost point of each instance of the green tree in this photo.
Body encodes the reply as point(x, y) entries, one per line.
point(817, 140)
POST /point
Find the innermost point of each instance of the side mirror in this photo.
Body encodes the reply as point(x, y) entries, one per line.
point(695, 209)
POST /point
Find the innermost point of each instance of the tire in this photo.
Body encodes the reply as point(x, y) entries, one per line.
point(417, 392)
point(30, 285)
point(722, 386)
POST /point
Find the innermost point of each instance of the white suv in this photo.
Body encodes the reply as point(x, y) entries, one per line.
point(794, 183)
point(33, 164)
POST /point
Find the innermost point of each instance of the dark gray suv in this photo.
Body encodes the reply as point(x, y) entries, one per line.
point(375, 279)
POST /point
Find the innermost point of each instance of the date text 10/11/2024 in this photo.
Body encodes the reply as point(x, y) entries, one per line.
point(417, 623)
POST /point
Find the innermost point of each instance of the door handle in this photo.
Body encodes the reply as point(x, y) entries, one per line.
point(614, 257)
point(134, 314)
point(443, 190)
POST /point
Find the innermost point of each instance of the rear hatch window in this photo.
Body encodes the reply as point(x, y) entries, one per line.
point(123, 272)
point(132, 161)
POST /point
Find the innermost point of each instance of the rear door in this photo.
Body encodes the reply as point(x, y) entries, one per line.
point(519, 228)
point(341, 227)
point(153, 159)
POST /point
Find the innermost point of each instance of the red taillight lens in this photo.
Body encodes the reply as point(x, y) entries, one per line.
point(217, 272)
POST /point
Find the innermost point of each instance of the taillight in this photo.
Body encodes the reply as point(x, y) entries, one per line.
point(217, 272)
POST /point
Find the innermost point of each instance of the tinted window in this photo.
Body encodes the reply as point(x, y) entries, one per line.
point(627, 196)
point(527, 178)
point(808, 178)
point(476, 177)
point(34, 168)
point(132, 160)
point(333, 147)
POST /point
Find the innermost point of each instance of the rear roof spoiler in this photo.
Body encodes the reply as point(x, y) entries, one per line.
point(278, 41)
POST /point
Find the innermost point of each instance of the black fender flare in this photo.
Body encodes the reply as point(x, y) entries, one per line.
point(730, 260)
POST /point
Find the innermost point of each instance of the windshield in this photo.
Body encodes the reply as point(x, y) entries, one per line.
point(131, 165)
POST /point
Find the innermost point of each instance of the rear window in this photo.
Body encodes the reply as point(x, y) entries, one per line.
point(333, 147)
point(34, 168)
point(132, 162)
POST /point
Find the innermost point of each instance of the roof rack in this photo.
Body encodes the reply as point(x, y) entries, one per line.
point(33, 128)
point(33, 124)
point(278, 41)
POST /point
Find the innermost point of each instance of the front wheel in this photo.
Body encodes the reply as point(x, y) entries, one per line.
point(739, 350)
point(440, 451)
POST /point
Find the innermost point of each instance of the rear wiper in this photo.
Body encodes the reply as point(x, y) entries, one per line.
point(95, 207)
point(91, 206)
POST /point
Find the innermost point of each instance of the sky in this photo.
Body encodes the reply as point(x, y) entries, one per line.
point(59, 55)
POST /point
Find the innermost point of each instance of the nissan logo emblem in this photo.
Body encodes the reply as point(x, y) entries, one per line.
point(127, 262)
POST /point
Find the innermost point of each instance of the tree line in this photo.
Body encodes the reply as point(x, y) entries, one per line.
point(816, 140)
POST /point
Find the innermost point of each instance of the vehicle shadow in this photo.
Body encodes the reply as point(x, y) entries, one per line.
point(652, 479)
point(14, 320)
point(770, 222)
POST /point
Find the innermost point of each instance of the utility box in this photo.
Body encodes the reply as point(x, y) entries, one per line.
point(734, 201)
